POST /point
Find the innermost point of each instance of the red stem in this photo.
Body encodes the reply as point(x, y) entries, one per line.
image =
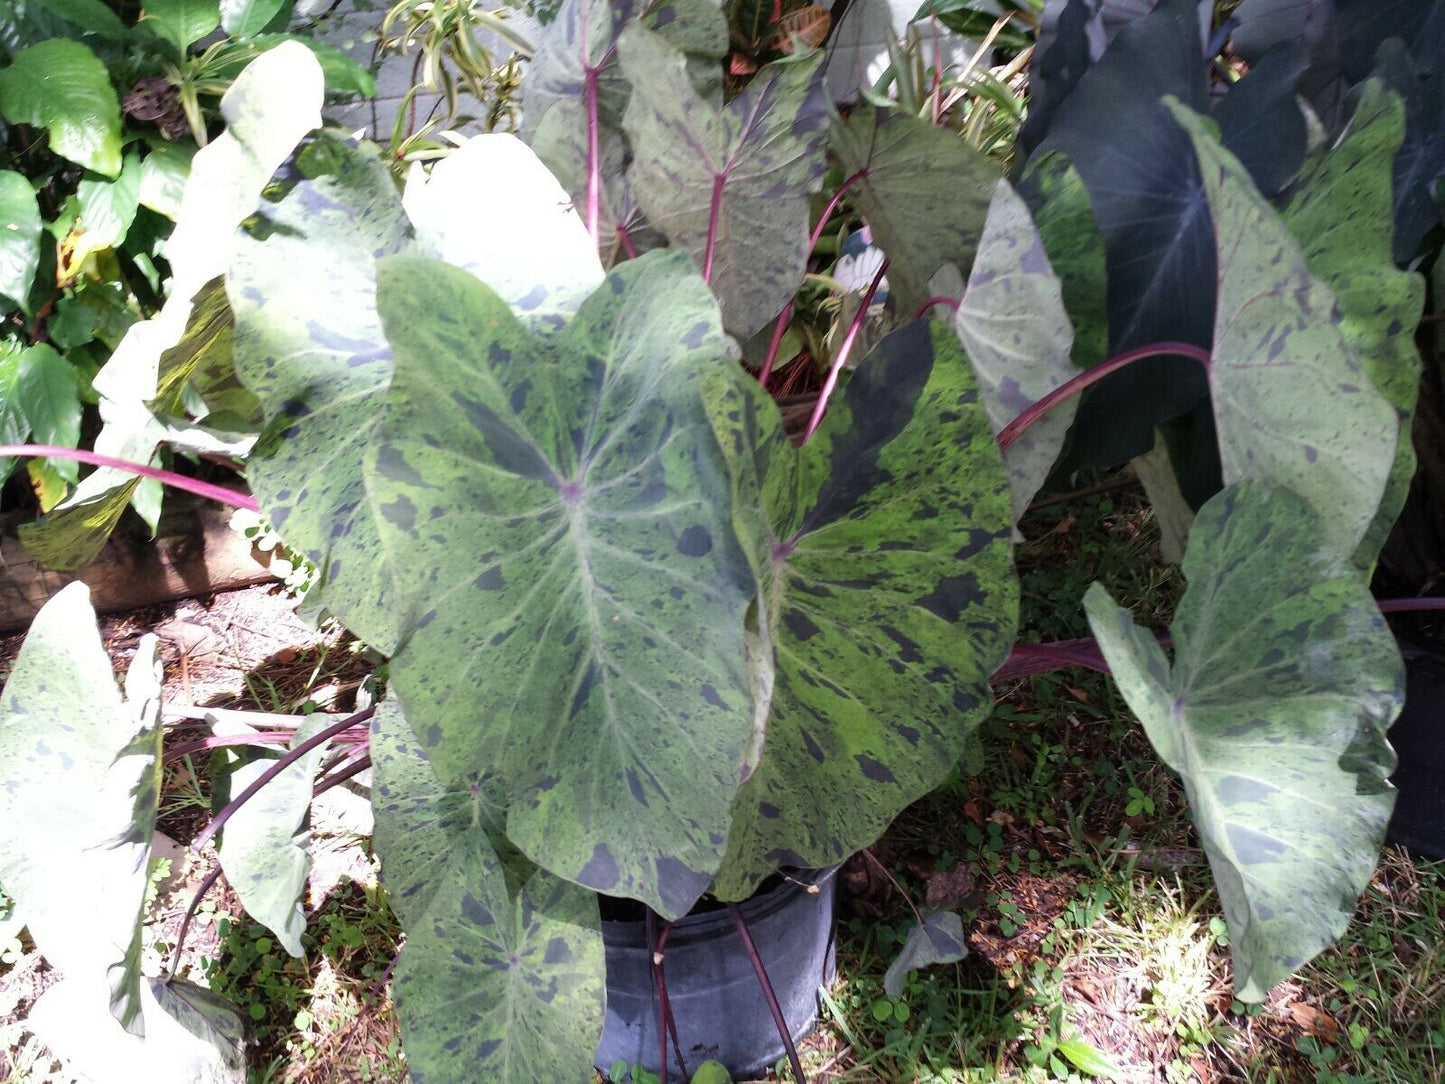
point(769, 995)
point(833, 206)
point(625, 240)
point(843, 351)
point(594, 145)
point(208, 490)
point(779, 330)
point(713, 215)
point(1034, 411)
point(1410, 605)
point(937, 299)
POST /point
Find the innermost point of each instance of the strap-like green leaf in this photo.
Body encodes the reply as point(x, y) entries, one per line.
point(19, 238)
point(889, 596)
point(1292, 405)
point(1341, 215)
point(62, 86)
point(923, 191)
point(554, 511)
point(78, 789)
point(730, 185)
point(1284, 681)
point(1013, 326)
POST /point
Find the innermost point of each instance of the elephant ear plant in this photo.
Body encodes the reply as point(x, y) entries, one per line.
point(643, 646)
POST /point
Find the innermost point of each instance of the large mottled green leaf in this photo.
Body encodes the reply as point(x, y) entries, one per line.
point(1341, 215)
point(319, 363)
point(19, 237)
point(79, 780)
point(883, 552)
point(1056, 195)
point(501, 989)
point(553, 506)
point(1292, 405)
point(1285, 678)
point(580, 45)
point(730, 185)
point(493, 208)
point(203, 361)
point(422, 823)
point(1017, 335)
point(60, 85)
point(263, 847)
point(923, 191)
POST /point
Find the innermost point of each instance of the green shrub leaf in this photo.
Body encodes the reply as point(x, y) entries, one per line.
point(182, 22)
point(553, 508)
point(1285, 678)
point(62, 86)
point(244, 18)
point(889, 596)
point(19, 238)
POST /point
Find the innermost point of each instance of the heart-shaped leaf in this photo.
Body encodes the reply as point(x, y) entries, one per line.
point(1013, 326)
point(1292, 405)
point(554, 509)
point(888, 596)
point(730, 185)
point(937, 939)
point(60, 85)
point(923, 191)
point(1285, 678)
point(1341, 216)
point(492, 988)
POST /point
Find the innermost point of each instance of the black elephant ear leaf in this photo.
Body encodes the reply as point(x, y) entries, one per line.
point(875, 545)
point(936, 939)
point(554, 507)
point(1284, 681)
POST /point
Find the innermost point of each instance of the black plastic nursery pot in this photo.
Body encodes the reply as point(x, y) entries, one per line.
point(1419, 740)
point(713, 992)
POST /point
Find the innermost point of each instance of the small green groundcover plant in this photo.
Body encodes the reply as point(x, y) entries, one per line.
point(640, 642)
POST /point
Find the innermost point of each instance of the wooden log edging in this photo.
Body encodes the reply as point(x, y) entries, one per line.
point(195, 552)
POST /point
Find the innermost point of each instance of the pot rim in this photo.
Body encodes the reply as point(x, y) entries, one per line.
point(709, 924)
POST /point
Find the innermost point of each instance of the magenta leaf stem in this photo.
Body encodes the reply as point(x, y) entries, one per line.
point(779, 330)
point(937, 299)
point(284, 762)
point(209, 490)
point(1035, 411)
point(714, 216)
point(594, 149)
point(833, 206)
point(821, 407)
